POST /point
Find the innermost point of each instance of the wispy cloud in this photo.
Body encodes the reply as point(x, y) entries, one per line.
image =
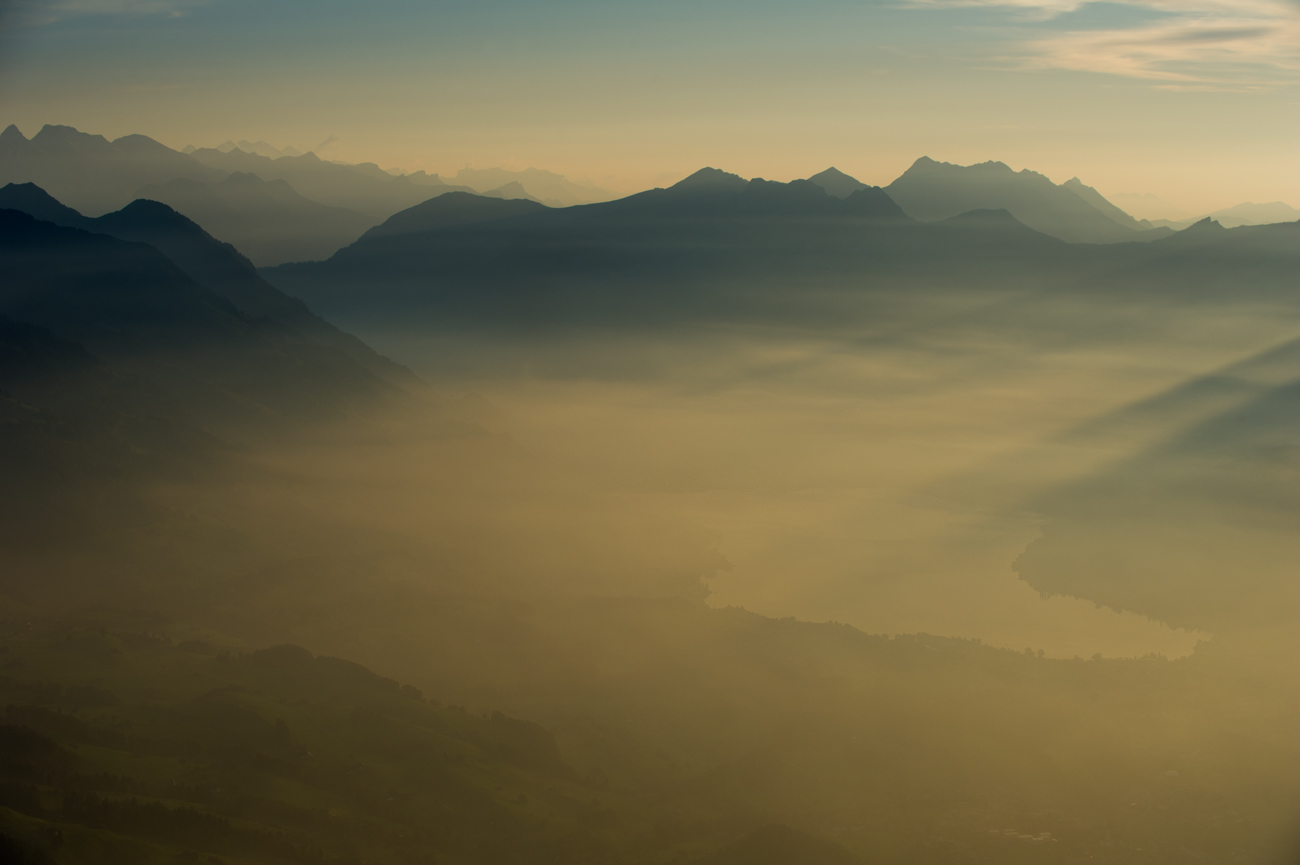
point(1187, 44)
point(33, 13)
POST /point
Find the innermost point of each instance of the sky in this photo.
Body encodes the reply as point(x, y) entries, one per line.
point(1194, 102)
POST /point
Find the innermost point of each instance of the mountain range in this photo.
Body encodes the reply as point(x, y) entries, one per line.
point(137, 350)
point(94, 174)
point(1247, 213)
point(261, 148)
point(137, 346)
point(553, 190)
point(1073, 212)
point(306, 208)
point(267, 220)
point(716, 244)
point(274, 205)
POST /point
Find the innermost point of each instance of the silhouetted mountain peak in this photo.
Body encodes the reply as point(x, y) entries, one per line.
point(424, 178)
point(873, 201)
point(1208, 224)
point(837, 183)
point(713, 180)
point(31, 199)
point(12, 134)
point(144, 208)
point(140, 144)
point(449, 210)
point(53, 137)
point(512, 190)
point(1205, 231)
point(933, 191)
point(831, 173)
point(925, 164)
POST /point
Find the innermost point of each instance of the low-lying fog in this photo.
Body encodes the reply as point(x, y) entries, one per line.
point(880, 475)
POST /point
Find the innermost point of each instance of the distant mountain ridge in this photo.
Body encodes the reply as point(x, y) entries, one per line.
point(551, 189)
point(716, 243)
point(95, 174)
point(837, 183)
point(182, 353)
point(711, 243)
point(1073, 212)
point(1247, 213)
point(305, 209)
point(267, 220)
point(210, 263)
point(712, 192)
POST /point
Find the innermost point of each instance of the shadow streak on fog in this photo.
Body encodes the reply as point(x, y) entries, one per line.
point(884, 476)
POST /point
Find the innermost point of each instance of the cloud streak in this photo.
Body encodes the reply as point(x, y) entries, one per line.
point(35, 13)
point(1193, 44)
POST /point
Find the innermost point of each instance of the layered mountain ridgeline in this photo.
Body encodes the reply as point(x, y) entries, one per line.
point(308, 207)
point(94, 174)
point(266, 220)
point(364, 188)
point(670, 733)
point(716, 247)
point(137, 347)
point(261, 148)
point(290, 208)
point(1073, 212)
point(123, 745)
point(209, 262)
point(1247, 213)
point(553, 190)
point(713, 245)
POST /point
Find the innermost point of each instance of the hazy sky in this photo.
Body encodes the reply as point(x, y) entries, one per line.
point(1196, 101)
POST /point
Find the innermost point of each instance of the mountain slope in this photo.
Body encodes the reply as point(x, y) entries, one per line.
point(932, 190)
point(1240, 215)
point(374, 193)
point(205, 359)
point(714, 245)
point(266, 220)
point(1097, 200)
point(179, 751)
point(210, 263)
point(550, 188)
point(837, 183)
point(511, 190)
point(91, 173)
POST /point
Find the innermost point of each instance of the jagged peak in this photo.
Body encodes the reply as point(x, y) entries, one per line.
point(55, 134)
point(925, 163)
point(12, 133)
point(712, 178)
point(836, 183)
